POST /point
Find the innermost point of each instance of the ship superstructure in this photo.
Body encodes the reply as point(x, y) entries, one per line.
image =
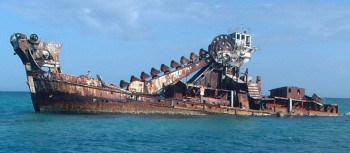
point(217, 84)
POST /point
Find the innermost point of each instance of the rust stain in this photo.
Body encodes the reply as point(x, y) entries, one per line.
point(215, 86)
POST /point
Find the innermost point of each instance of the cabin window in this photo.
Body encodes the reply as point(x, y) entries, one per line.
point(248, 40)
point(238, 36)
point(298, 91)
point(243, 37)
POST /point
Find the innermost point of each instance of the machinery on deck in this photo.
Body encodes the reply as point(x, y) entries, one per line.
point(216, 85)
point(217, 73)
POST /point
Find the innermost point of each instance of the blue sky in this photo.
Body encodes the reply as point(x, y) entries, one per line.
point(302, 43)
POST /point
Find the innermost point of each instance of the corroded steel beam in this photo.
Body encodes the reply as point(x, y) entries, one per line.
point(154, 85)
point(206, 92)
point(157, 83)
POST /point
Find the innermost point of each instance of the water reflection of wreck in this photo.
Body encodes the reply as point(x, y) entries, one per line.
point(216, 86)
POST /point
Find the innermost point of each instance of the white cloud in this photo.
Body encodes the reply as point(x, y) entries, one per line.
point(125, 17)
point(131, 18)
point(120, 16)
point(318, 19)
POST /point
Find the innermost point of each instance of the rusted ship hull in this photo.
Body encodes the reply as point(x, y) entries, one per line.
point(67, 95)
point(61, 93)
point(215, 88)
point(171, 107)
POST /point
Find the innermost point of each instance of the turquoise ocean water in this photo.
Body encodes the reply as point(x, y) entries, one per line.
point(22, 130)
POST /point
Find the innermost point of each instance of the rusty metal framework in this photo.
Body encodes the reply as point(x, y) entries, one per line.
point(216, 86)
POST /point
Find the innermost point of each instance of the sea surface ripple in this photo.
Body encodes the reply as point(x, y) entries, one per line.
point(23, 130)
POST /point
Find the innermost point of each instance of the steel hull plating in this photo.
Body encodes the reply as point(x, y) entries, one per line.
point(60, 96)
point(216, 87)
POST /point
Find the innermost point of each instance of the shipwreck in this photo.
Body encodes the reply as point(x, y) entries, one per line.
point(216, 85)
